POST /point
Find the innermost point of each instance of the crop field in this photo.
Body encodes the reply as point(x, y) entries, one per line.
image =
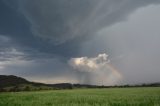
point(149, 96)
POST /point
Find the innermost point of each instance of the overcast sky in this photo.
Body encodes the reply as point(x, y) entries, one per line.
point(81, 41)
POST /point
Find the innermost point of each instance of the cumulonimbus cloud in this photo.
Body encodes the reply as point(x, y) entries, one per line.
point(86, 64)
point(96, 70)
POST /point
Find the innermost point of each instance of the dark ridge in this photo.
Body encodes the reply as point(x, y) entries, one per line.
point(11, 83)
point(11, 80)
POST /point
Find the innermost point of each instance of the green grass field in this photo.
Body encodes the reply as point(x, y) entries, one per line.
point(85, 97)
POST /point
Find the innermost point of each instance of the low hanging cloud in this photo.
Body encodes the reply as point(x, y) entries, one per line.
point(96, 70)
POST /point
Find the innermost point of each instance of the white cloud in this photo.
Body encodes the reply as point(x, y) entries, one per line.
point(97, 70)
point(89, 64)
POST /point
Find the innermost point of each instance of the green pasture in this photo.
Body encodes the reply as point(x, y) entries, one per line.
point(149, 96)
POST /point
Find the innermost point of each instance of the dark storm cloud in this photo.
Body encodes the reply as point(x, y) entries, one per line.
point(40, 36)
point(60, 21)
point(63, 25)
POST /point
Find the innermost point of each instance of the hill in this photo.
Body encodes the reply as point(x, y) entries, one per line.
point(11, 83)
point(10, 80)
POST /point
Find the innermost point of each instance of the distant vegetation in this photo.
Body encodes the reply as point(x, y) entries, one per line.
point(10, 83)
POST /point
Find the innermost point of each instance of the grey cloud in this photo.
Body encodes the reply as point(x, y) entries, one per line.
point(133, 45)
point(60, 21)
point(41, 70)
point(65, 25)
point(70, 22)
point(4, 39)
point(6, 48)
point(10, 49)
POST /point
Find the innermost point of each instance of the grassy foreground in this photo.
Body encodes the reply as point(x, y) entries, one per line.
point(85, 97)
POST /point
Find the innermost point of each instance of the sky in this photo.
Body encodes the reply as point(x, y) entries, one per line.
point(99, 42)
